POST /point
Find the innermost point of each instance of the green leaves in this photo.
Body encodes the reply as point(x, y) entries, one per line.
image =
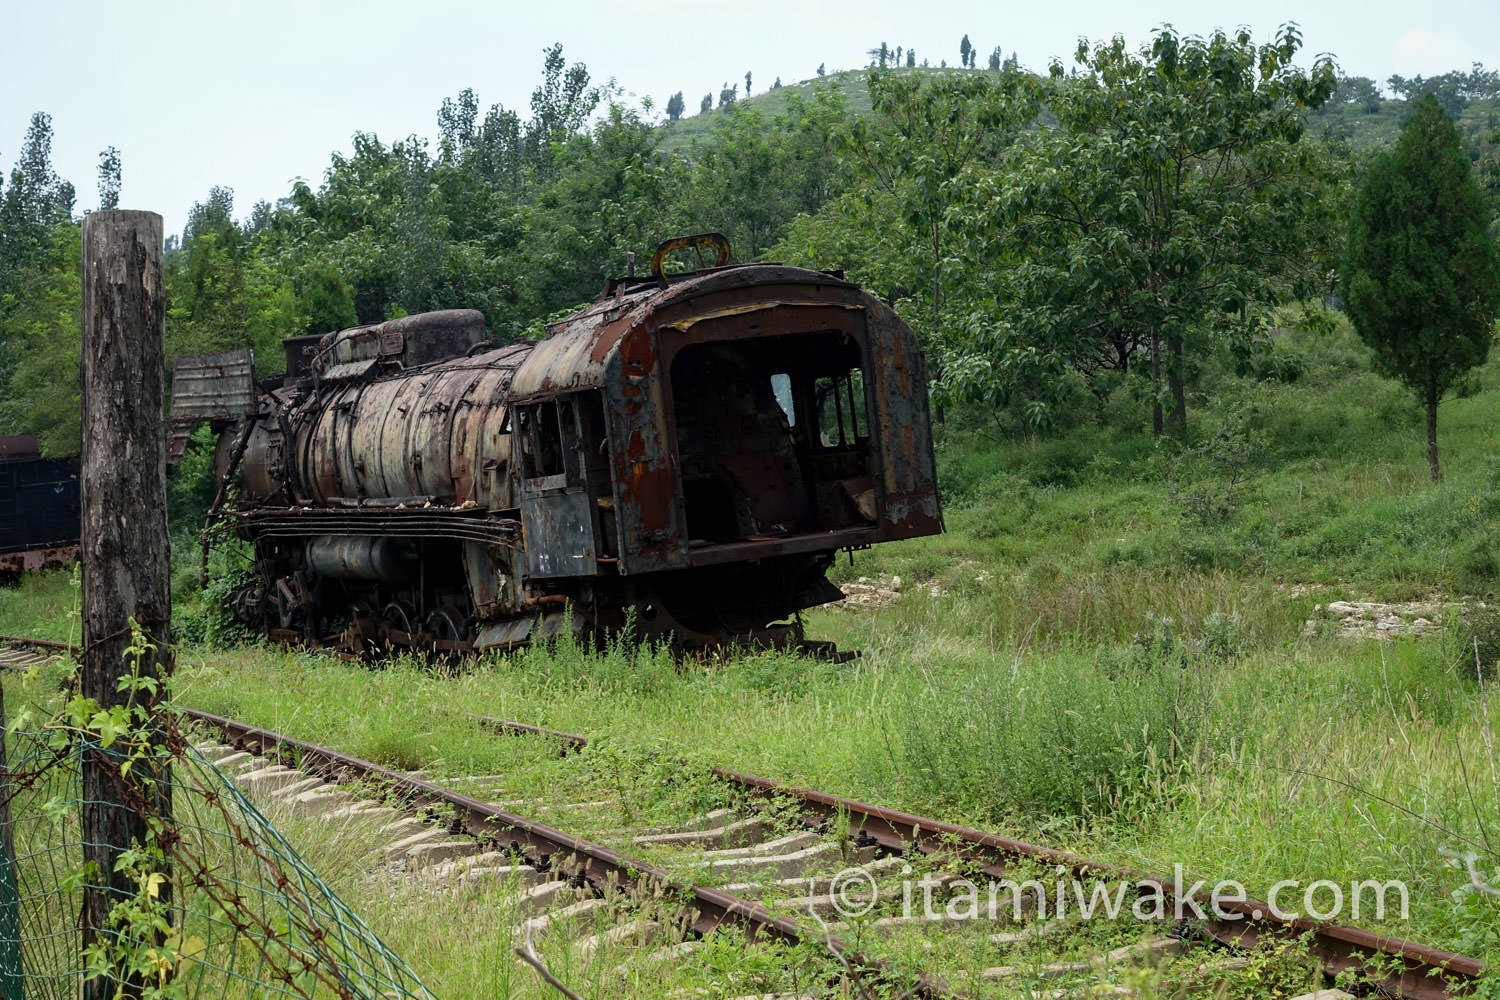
point(1172, 184)
point(1420, 276)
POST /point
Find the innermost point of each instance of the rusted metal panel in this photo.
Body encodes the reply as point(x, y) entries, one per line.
point(36, 560)
point(559, 531)
point(210, 388)
point(214, 386)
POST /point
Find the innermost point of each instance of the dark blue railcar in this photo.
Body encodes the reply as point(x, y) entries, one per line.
point(39, 511)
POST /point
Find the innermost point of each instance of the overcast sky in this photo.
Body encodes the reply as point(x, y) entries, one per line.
point(252, 96)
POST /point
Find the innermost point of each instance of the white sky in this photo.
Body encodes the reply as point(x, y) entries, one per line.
point(253, 95)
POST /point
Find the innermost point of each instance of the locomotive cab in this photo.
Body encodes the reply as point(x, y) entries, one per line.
point(700, 447)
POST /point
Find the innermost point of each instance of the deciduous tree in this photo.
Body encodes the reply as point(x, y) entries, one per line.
point(1171, 205)
point(921, 153)
point(109, 178)
point(1421, 277)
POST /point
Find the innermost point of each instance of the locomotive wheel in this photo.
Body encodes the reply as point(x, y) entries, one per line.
point(398, 616)
point(446, 624)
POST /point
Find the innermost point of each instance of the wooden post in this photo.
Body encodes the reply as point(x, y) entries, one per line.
point(126, 555)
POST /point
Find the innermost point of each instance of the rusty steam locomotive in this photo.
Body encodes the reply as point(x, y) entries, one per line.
point(686, 455)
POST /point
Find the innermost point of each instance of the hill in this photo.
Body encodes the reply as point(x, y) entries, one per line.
point(698, 128)
point(1367, 130)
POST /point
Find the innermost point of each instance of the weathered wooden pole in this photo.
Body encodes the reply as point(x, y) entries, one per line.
point(126, 555)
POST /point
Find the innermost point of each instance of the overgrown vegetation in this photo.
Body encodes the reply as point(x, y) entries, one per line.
point(1108, 651)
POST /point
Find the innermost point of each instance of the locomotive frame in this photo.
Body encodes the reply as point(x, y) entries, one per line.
point(685, 456)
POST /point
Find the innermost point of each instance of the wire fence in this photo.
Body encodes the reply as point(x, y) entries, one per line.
point(223, 905)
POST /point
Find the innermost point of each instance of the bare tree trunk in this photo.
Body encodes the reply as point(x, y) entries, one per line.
point(1156, 415)
point(1432, 452)
point(1175, 382)
point(126, 556)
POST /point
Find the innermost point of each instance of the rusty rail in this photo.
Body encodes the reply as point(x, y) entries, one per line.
point(21, 640)
point(542, 846)
point(1424, 973)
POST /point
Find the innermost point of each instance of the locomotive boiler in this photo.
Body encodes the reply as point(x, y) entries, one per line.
point(683, 457)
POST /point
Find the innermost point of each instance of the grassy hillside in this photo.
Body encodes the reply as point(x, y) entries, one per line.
point(1366, 132)
point(1330, 488)
point(697, 128)
point(1351, 122)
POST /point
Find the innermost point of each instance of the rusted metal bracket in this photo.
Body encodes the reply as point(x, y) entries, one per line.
point(716, 240)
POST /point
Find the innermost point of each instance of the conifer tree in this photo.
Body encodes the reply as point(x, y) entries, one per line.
point(1420, 275)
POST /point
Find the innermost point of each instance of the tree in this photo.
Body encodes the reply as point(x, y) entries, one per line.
point(1454, 90)
point(39, 388)
point(34, 203)
point(560, 107)
point(820, 69)
point(326, 300)
point(919, 146)
point(965, 52)
point(1421, 277)
point(758, 172)
point(911, 58)
point(675, 106)
point(1357, 91)
point(728, 95)
point(997, 56)
point(109, 178)
point(706, 105)
point(747, 83)
point(1172, 206)
point(776, 85)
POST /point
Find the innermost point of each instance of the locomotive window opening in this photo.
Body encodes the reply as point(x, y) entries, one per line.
point(541, 440)
point(569, 447)
point(840, 402)
point(593, 450)
point(781, 388)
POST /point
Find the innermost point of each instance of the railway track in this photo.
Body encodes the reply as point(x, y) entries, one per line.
point(780, 880)
point(1392, 966)
point(568, 876)
point(19, 651)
